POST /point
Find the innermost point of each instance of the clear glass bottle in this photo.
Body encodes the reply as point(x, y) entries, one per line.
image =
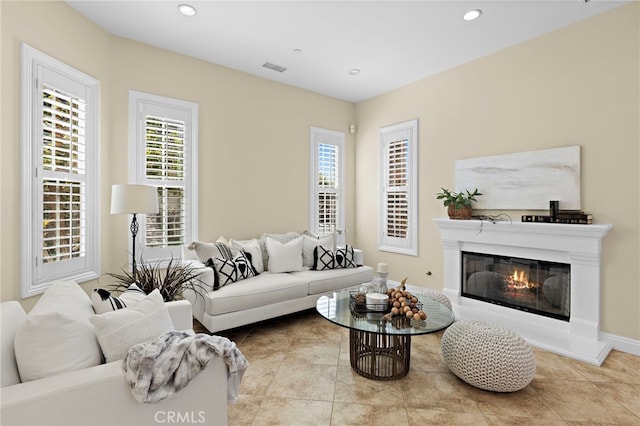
point(380, 282)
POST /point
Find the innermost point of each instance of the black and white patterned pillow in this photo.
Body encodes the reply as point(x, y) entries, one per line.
point(229, 271)
point(211, 251)
point(324, 259)
point(103, 301)
point(345, 257)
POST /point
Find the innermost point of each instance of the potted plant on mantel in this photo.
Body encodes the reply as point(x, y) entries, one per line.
point(458, 204)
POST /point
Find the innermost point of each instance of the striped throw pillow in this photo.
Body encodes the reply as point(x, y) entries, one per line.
point(103, 301)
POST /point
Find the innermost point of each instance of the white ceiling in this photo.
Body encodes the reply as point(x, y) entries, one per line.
point(393, 43)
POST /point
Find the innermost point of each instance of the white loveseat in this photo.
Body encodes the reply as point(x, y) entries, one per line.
point(98, 395)
point(269, 294)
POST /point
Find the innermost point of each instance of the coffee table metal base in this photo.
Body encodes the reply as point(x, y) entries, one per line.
point(379, 356)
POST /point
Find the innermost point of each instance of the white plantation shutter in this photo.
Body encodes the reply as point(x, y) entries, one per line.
point(398, 170)
point(165, 167)
point(63, 175)
point(327, 188)
point(60, 173)
point(397, 189)
point(163, 149)
point(327, 210)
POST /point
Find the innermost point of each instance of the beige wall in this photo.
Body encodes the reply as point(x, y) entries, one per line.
point(576, 86)
point(254, 133)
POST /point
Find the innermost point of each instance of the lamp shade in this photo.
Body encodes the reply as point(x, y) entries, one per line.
point(133, 199)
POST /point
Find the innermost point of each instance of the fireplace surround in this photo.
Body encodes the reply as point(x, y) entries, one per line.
point(576, 246)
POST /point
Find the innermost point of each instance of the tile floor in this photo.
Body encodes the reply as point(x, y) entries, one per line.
point(299, 374)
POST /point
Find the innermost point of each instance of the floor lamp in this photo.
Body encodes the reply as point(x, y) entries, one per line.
point(133, 199)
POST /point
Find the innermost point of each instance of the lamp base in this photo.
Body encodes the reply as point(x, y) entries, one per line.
point(134, 232)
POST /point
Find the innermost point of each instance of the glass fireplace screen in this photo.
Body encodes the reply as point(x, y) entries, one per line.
point(535, 286)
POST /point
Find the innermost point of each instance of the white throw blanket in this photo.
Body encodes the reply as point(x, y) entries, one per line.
point(161, 367)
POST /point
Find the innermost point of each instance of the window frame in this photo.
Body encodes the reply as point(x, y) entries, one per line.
point(38, 69)
point(319, 136)
point(138, 102)
point(406, 130)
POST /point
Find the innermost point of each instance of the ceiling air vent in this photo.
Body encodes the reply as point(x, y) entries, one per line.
point(274, 67)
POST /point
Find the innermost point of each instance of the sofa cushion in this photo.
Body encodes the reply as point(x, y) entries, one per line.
point(264, 289)
point(283, 238)
point(309, 243)
point(230, 271)
point(345, 257)
point(334, 279)
point(323, 259)
point(119, 330)
point(284, 257)
point(103, 301)
point(57, 335)
point(11, 316)
point(254, 249)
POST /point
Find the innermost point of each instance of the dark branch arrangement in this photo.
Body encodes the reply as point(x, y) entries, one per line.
point(171, 280)
point(501, 217)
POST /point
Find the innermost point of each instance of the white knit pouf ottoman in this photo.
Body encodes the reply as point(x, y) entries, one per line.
point(488, 356)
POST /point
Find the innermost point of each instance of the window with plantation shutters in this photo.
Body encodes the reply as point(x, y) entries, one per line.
point(163, 147)
point(398, 206)
point(60, 173)
point(327, 188)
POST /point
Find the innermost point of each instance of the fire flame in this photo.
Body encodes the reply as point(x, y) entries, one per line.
point(518, 281)
point(520, 278)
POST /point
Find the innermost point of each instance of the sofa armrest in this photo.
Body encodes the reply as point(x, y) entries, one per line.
point(100, 396)
point(188, 254)
point(181, 314)
point(205, 280)
point(358, 256)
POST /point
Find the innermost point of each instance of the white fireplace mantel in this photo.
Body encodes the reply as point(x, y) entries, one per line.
point(576, 245)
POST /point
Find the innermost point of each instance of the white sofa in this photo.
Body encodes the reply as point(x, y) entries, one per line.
point(267, 295)
point(98, 395)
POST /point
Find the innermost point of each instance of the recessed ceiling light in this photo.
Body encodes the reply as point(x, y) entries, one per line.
point(297, 50)
point(354, 71)
point(187, 9)
point(472, 14)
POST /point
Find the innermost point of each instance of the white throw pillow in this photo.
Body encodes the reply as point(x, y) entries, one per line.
point(253, 248)
point(119, 330)
point(283, 238)
point(57, 336)
point(309, 243)
point(285, 257)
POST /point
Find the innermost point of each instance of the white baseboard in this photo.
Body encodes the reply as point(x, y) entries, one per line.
point(622, 344)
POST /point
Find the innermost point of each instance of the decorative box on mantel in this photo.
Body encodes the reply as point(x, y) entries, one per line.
point(558, 306)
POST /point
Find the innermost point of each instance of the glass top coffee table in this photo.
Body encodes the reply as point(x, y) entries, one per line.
point(380, 349)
